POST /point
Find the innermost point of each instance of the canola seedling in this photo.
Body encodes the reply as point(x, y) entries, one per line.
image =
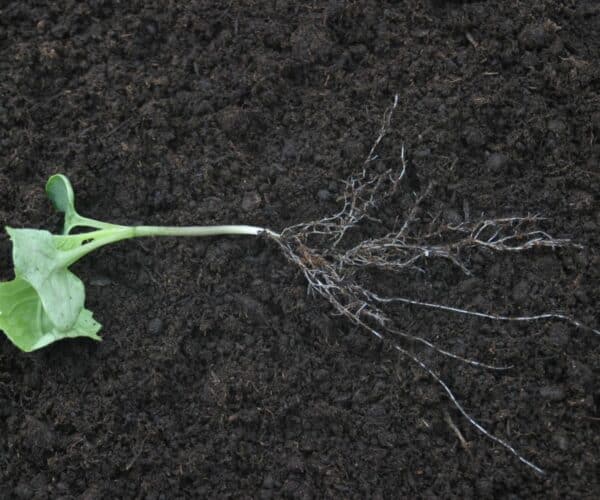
point(45, 301)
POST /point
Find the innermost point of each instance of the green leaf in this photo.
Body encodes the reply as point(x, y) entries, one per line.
point(41, 259)
point(26, 323)
point(60, 192)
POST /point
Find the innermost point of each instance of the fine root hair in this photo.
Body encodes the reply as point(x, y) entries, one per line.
point(331, 262)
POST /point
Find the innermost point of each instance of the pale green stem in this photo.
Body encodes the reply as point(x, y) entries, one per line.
point(200, 230)
point(73, 220)
point(104, 237)
point(87, 222)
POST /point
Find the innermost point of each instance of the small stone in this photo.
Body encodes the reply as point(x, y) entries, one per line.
point(561, 441)
point(151, 27)
point(41, 25)
point(485, 488)
point(552, 393)
point(352, 149)
point(295, 463)
point(529, 60)
point(268, 481)
point(474, 137)
point(251, 201)
point(91, 493)
point(23, 490)
point(386, 439)
point(596, 120)
point(252, 308)
point(520, 292)
point(582, 296)
point(534, 36)
point(205, 85)
point(422, 152)
point(310, 43)
point(558, 335)
point(582, 373)
point(38, 435)
point(233, 120)
point(452, 216)
point(143, 277)
point(204, 107)
point(497, 161)
point(324, 195)
point(557, 126)
point(469, 286)
point(100, 281)
point(557, 47)
point(289, 150)
point(155, 326)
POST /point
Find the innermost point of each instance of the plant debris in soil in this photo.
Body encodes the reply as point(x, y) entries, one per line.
point(218, 376)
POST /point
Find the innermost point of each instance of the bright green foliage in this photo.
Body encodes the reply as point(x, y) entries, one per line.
point(60, 192)
point(39, 258)
point(45, 301)
point(24, 320)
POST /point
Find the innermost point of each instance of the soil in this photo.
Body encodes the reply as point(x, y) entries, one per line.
point(218, 376)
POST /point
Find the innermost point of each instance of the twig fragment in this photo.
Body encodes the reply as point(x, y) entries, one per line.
point(463, 442)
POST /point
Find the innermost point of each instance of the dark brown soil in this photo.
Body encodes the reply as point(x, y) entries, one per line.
point(218, 377)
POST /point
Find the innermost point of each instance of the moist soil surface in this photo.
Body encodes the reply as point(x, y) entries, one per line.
point(218, 376)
